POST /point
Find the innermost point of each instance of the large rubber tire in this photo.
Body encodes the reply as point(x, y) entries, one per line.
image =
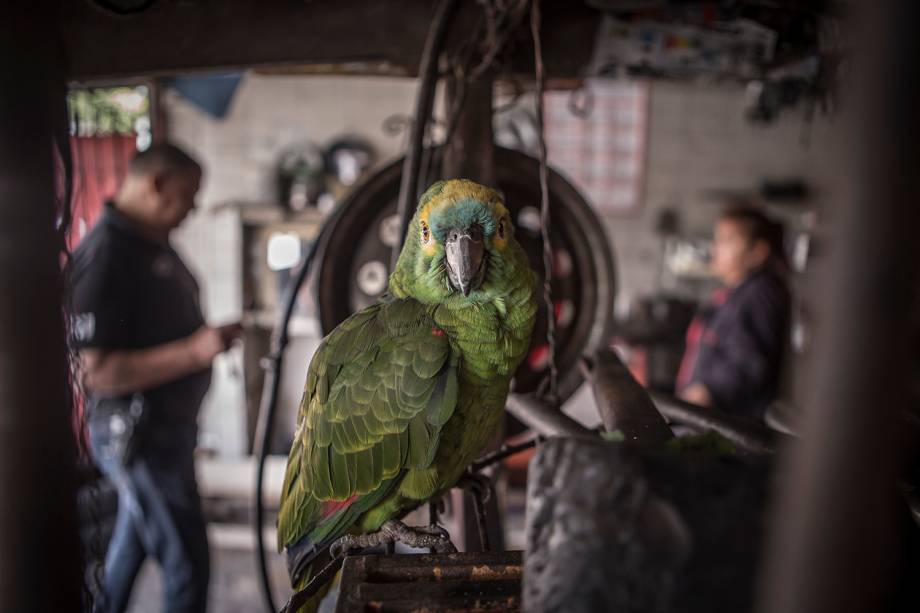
point(584, 282)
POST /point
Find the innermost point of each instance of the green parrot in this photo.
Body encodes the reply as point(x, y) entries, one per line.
point(402, 396)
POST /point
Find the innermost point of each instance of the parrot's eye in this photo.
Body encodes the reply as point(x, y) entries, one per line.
point(501, 228)
point(426, 233)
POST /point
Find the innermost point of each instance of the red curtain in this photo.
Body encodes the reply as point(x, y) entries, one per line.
point(100, 164)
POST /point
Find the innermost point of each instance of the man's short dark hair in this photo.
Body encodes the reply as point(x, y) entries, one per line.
point(163, 158)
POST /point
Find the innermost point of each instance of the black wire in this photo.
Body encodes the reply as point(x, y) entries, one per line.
point(501, 25)
point(505, 452)
point(428, 73)
point(479, 506)
point(272, 365)
point(540, 74)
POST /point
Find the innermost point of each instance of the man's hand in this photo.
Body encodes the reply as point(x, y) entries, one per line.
point(207, 342)
point(697, 394)
point(116, 372)
point(230, 333)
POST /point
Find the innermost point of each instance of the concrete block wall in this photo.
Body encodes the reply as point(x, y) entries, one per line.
point(270, 113)
point(239, 152)
point(699, 140)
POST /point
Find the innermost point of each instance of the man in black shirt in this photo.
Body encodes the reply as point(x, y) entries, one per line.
point(146, 365)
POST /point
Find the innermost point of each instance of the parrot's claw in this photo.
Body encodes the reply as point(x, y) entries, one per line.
point(433, 530)
point(352, 542)
point(433, 537)
point(476, 484)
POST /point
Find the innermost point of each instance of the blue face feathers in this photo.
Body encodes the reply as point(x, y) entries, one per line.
point(462, 214)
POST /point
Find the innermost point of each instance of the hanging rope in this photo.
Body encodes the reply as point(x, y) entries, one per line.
point(69, 167)
point(540, 75)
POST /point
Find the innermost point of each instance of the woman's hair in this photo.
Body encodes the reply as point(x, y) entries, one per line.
point(757, 226)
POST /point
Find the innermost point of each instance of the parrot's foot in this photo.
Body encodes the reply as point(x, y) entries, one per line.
point(477, 484)
point(433, 537)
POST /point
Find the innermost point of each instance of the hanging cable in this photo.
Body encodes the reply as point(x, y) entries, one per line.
point(540, 75)
point(428, 75)
point(270, 388)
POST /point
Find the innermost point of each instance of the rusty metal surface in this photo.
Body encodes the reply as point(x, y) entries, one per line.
point(622, 402)
point(480, 582)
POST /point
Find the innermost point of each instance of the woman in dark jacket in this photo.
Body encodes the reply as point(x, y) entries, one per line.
point(735, 346)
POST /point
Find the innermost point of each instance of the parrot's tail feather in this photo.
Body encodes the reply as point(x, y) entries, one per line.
point(311, 605)
point(327, 576)
point(299, 556)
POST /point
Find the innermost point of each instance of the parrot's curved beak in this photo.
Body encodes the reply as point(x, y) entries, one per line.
point(465, 254)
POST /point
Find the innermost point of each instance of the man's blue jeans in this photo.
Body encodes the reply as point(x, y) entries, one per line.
point(159, 515)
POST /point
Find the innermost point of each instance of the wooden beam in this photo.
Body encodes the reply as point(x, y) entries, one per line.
point(39, 545)
point(347, 36)
point(187, 36)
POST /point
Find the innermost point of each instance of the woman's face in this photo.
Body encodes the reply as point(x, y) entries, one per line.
point(734, 254)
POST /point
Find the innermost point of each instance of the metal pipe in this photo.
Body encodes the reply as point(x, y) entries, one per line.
point(469, 152)
point(622, 402)
point(506, 451)
point(39, 543)
point(836, 533)
point(745, 434)
point(428, 81)
point(543, 418)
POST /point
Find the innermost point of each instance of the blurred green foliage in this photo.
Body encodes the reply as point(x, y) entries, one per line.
point(100, 111)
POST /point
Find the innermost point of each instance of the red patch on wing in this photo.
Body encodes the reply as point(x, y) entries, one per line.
point(435, 331)
point(332, 506)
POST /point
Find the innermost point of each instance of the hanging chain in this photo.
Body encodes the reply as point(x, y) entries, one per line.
point(540, 74)
point(73, 180)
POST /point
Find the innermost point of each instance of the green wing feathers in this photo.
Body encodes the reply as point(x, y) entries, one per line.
point(379, 389)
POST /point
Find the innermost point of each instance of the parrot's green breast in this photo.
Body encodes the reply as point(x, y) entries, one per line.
point(491, 341)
